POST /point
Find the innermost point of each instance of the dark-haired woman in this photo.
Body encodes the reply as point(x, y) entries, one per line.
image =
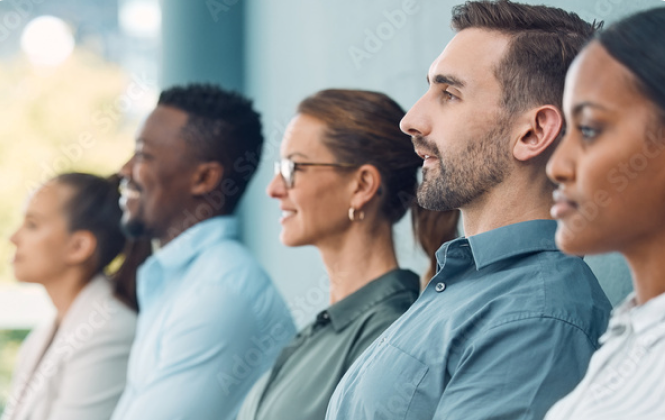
point(346, 176)
point(74, 367)
point(610, 168)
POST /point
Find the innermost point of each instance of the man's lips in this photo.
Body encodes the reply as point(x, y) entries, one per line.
point(423, 153)
point(424, 147)
point(128, 191)
point(129, 188)
point(563, 205)
point(427, 156)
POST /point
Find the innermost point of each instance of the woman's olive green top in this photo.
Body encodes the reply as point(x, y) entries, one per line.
point(307, 371)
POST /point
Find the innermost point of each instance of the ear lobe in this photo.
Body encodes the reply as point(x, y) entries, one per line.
point(207, 177)
point(81, 248)
point(544, 126)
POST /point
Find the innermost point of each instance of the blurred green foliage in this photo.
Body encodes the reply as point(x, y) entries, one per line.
point(10, 341)
point(56, 120)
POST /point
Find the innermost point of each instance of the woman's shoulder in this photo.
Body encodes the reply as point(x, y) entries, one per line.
point(34, 343)
point(98, 315)
point(400, 289)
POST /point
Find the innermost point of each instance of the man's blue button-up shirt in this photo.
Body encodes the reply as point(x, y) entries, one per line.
point(505, 329)
point(211, 324)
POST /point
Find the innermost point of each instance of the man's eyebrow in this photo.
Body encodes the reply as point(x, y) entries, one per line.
point(447, 80)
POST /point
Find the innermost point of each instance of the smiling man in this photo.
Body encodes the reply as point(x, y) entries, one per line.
point(508, 324)
point(211, 321)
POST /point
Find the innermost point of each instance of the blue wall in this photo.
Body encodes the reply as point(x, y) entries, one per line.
point(203, 42)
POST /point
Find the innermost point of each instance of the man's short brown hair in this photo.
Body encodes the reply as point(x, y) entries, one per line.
point(545, 40)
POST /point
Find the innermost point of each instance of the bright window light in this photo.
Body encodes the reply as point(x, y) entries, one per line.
point(47, 41)
point(140, 18)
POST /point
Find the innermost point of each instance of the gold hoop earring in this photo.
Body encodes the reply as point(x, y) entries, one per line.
point(352, 215)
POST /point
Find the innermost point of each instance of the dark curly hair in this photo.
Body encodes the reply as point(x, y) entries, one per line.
point(222, 127)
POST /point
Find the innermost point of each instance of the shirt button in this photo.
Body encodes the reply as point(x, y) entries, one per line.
point(440, 287)
point(619, 329)
point(383, 341)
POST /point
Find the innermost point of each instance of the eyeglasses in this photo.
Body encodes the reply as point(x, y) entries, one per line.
point(286, 167)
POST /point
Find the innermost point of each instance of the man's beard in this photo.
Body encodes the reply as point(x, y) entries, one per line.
point(464, 178)
point(134, 228)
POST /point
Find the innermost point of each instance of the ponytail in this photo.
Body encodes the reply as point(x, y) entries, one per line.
point(124, 278)
point(432, 229)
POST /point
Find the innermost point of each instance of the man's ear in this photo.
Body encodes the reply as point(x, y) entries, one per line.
point(80, 247)
point(368, 182)
point(206, 177)
point(540, 129)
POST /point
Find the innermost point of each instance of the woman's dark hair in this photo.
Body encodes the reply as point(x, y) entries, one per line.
point(362, 127)
point(637, 43)
point(94, 207)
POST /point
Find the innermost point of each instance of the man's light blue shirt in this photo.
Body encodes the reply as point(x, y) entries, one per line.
point(504, 329)
point(211, 323)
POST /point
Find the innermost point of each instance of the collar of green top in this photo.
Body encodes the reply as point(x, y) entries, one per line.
point(342, 313)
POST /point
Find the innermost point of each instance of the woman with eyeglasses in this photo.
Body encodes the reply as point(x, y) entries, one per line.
point(347, 175)
point(74, 366)
point(610, 171)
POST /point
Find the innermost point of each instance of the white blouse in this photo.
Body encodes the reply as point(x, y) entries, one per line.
point(77, 372)
point(626, 376)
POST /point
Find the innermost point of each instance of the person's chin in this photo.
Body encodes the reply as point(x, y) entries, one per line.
point(23, 278)
point(289, 239)
point(134, 227)
point(576, 242)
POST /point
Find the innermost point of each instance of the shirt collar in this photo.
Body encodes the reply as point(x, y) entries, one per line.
point(342, 313)
point(97, 288)
point(511, 241)
point(189, 243)
point(641, 317)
